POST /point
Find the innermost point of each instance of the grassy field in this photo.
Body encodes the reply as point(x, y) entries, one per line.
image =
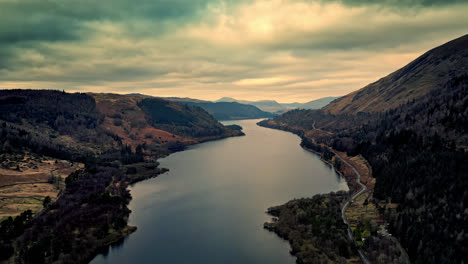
point(363, 213)
point(26, 179)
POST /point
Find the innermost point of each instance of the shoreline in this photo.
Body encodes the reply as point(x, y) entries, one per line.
point(362, 213)
point(128, 230)
point(353, 192)
point(351, 199)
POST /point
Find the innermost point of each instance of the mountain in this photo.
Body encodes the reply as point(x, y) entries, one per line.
point(292, 105)
point(223, 109)
point(232, 110)
point(138, 95)
point(269, 106)
point(103, 142)
point(135, 116)
point(172, 99)
point(317, 104)
point(227, 99)
point(264, 105)
point(184, 99)
point(411, 128)
point(278, 108)
point(427, 73)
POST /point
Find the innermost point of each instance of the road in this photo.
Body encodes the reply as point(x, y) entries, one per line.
point(343, 209)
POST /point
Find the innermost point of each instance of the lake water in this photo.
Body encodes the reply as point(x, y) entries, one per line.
point(210, 207)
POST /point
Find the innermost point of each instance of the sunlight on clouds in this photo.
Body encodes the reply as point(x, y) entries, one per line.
point(329, 82)
point(261, 81)
point(288, 50)
point(263, 20)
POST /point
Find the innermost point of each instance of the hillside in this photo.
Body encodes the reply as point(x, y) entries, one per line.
point(305, 220)
point(79, 125)
point(270, 106)
point(264, 105)
point(292, 105)
point(226, 99)
point(317, 104)
point(232, 110)
point(172, 99)
point(278, 108)
point(138, 119)
point(417, 149)
point(55, 123)
point(181, 119)
point(67, 159)
point(184, 100)
point(427, 73)
point(228, 110)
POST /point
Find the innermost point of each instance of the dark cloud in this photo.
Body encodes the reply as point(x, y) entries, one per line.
point(369, 37)
point(195, 46)
point(398, 3)
point(47, 20)
point(28, 24)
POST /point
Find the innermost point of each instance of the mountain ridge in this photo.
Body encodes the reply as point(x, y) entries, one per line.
point(426, 73)
point(278, 108)
point(415, 145)
point(104, 142)
point(228, 110)
point(232, 110)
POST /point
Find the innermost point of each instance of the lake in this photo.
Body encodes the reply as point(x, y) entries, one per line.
point(210, 207)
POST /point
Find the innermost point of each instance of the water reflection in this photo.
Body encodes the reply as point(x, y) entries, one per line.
point(210, 207)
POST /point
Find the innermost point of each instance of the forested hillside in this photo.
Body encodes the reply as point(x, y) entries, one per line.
point(418, 154)
point(419, 159)
point(181, 119)
point(270, 106)
point(315, 229)
point(115, 136)
point(52, 123)
point(232, 110)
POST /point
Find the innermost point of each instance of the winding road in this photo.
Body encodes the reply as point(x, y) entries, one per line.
point(343, 209)
point(361, 253)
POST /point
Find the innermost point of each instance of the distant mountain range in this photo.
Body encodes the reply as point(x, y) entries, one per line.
point(114, 137)
point(275, 107)
point(231, 110)
point(228, 108)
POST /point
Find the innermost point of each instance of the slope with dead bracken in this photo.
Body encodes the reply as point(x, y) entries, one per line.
point(411, 129)
point(43, 125)
point(47, 137)
point(124, 118)
point(427, 73)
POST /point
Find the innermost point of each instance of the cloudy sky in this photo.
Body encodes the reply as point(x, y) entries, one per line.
point(287, 50)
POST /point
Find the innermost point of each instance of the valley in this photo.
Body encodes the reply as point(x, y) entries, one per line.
point(73, 156)
point(375, 176)
point(222, 188)
point(415, 146)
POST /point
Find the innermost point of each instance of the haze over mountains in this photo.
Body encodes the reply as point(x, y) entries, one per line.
point(104, 133)
point(219, 110)
point(275, 107)
point(228, 108)
point(232, 110)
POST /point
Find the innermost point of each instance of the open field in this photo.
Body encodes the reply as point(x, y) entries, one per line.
point(26, 179)
point(363, 214)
